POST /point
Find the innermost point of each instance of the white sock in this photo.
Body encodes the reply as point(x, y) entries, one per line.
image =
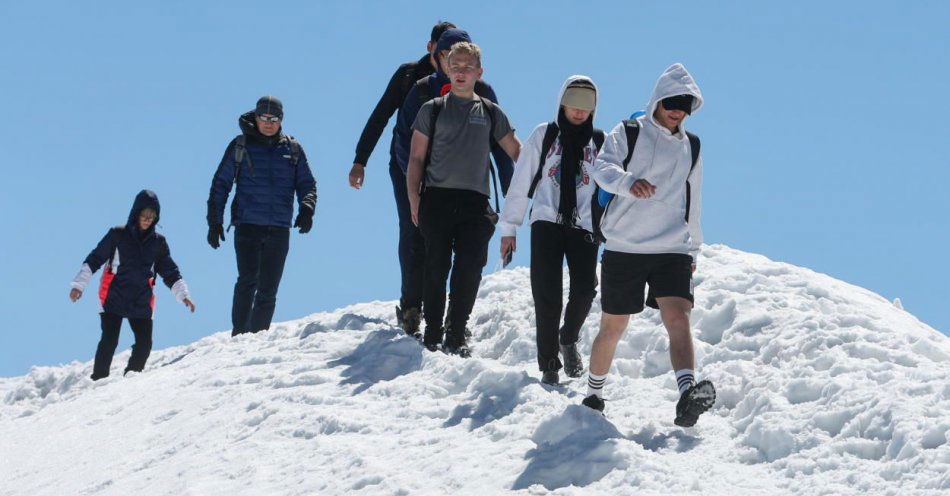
point(595, 384)
point(684, 379)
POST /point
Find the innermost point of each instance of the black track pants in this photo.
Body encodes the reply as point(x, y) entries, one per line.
point(550, 244)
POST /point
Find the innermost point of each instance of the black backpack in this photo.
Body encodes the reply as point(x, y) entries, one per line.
point(490, 109)
point(550, 134)
point(240, 154)
point(602, 199)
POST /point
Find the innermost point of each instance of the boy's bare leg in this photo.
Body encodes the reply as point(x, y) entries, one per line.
point(674, 311)
point(612, 328)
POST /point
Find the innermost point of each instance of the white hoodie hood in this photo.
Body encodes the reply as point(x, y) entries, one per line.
point(669, 221)
point(674, 81)
point(547, 195)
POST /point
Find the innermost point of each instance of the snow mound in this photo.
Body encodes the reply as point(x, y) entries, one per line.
point(824, 388)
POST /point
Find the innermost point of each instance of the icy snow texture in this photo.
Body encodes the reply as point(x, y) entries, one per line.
point(824, 388)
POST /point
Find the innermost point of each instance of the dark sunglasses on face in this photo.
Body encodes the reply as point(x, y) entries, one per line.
point(269, 119)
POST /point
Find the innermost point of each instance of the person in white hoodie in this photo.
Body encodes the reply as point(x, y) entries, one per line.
point(558, 153)
point(653, 234)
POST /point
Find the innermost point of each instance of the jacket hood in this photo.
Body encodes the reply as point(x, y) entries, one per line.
point(145, 199)
point(248, 124)
point(675, 80)
point(572, 79)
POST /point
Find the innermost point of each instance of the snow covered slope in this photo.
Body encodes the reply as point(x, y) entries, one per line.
point(824, 388)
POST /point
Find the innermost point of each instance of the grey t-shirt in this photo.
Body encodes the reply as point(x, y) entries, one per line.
point(461, 143)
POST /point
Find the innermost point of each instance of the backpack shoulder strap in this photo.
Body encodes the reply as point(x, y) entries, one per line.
point(437, 104)
point(294, 150)
point(490, 109)
point(599, 137)
point(693, 148)
point(632, 129)
point(550, 134)
point(240, 155)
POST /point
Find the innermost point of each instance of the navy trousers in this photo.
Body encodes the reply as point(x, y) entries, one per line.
point(261, 252)
point(412, 250)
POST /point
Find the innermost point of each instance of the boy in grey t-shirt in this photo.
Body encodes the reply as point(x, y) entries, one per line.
point(454, 216)
point(460, 149)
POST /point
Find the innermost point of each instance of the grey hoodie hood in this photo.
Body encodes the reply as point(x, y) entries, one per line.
point(675, 80)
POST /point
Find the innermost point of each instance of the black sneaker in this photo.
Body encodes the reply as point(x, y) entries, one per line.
point(432, 338)
point(550, 377)
point(593, 402)
point(694, 402)
point(455, 345)
point(573, 365)
point(409, 320)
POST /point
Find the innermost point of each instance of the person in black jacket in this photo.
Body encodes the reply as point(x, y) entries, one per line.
point(132, 255)
point(410, 241)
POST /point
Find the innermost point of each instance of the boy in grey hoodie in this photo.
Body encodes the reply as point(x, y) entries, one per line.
point(653, 234)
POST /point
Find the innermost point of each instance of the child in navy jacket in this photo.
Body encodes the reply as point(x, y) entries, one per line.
point(132, 255)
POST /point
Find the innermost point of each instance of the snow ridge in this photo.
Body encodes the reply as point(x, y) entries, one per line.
point(824, 388)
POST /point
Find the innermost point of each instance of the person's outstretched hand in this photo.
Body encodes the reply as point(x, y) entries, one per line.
point(75, 295)
point(189, 304)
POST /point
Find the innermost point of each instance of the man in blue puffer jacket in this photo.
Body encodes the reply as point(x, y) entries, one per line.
point(268, 168)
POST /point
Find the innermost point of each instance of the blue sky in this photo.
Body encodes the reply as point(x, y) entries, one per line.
point(824, 136)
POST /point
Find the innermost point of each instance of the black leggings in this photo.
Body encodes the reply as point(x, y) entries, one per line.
point(111, 324)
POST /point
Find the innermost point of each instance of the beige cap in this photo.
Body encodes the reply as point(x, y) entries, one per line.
point(580, 97)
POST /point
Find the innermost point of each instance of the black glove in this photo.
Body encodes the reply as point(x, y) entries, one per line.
point(215, 235)
point(304, 220)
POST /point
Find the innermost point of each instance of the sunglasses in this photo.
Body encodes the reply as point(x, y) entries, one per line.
point(269, 119)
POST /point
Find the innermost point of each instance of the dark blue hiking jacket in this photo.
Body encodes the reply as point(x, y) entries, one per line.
point(267, 180)
point(402, 133)
point(132, 259)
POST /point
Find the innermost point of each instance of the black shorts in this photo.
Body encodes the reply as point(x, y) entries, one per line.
point(624, 275)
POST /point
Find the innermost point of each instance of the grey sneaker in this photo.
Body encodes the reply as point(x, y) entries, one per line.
point(550, 377)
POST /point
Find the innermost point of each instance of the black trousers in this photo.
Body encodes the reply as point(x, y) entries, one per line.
point(550, 244)
point(412, 251)
point(261, 252)
point(111, 324)
point(458, 222)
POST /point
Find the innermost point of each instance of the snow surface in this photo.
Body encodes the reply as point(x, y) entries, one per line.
point(824, 388)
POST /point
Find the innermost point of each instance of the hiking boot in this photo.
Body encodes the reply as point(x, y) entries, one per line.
point(409, 320)
point(694, 402)
point(594, 403)
point(455, 345)
point(432, 339)
point(550, 377)
point(573, 365)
